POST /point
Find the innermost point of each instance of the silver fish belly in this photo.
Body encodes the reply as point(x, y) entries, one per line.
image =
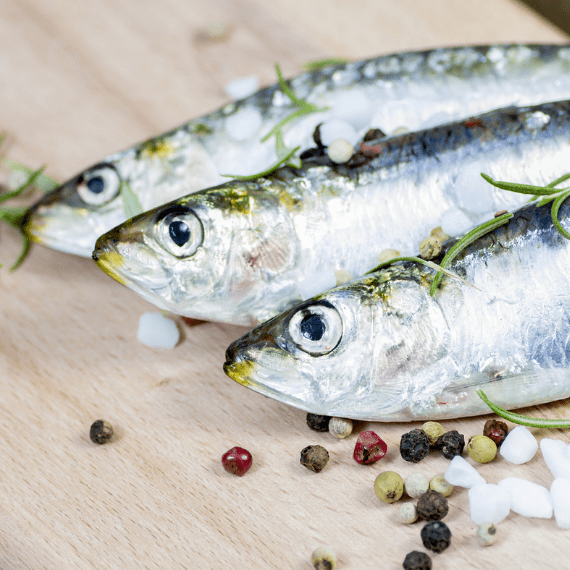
point(381, 348)
point(412, 90)
point(244, 251)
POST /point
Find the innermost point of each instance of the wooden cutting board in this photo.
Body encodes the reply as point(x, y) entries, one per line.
point(80, 80)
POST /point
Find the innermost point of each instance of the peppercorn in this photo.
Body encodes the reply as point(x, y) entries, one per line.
point(414, 445)
point(315, 458)
point(496, 430)
point(451, 444)
point(417, 561)
point(430, 248)
point(324, 558)
point(318, 423)
point(481, 448)
point(340, 427)
point(408, 513)
point(439, 483)
point(436, 536)
point(416, 485)
point(373, 134)
point(434, 431)
point(432, 506)
point(100, 432)
point(369, 448)
point(487, 534)
point(237, 460)
point(389, 486)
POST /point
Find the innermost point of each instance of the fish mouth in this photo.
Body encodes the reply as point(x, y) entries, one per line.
point(108, 260)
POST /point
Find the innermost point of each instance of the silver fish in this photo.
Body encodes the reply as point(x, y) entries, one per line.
point(381, 348)
point(244, 251)
point(413, 90)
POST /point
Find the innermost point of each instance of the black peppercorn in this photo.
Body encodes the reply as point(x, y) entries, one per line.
point(417, 561)
point(314, 457)
point(436, 536)
point(496, 430)
point(451, 444)
point(432, 506)
point(318, 423)
point(414, 445)
point(100, 431)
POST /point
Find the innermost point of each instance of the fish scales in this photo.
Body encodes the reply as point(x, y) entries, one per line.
point(262, 246)
point(381, 348)
point(411, 90)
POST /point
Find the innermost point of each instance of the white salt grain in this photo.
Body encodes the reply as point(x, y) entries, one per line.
point(527, 498)
point(462, 474)
point(555, 455)
point(519, 446)
point(337, 129)
point(472, 193)
point(354, 107)
point(340, 151)
point(454, 222)
point(242, 87)
point(158, 331)
point(244, 124)
point(488, 504)
point(560, 493)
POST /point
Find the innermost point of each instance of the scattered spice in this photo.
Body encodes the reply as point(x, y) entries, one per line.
point(496, 430)
point(340, 427)
point(432, 506)
point(317, 422)
point(340, 151)
point(373, 134)
point(389, 486)
point(408, 513)
point(440, 484)
point(324, 558)
point(430, 247)
point(451, 444)
point(314, 457)
point(482, 449)
point(369, 448)
point(439, 234)
point(434, 431)
point(100, 432)
point(416, 560)
point(237, 460)
point(436, 536)
point(414, 445)
point(487, 534)
point(416, 485)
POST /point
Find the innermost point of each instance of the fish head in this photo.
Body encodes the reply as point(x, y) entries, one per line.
point(351, 352)
point(210, 255)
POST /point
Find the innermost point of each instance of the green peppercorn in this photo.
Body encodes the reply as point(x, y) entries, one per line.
point(439, 483)
point(433, 430)
point(389, 486)
point(100, 432)
point(487, 534)
point(482, 449)
point(314, 457)
point(324, 558)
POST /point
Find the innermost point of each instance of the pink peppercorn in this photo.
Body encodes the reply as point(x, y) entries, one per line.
point(237, 460)
point(369, 448)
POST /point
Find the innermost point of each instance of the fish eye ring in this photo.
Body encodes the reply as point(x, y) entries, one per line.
point(99, 185)
point(316, 329)
point(180, 233)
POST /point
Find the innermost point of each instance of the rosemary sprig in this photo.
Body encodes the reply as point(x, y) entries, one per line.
point(520, 419)
point(319, 63)
point(280, 162)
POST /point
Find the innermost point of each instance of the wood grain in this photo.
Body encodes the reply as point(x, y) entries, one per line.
point(80, 80)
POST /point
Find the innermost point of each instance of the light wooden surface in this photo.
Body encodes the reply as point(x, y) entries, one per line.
point(80, 80)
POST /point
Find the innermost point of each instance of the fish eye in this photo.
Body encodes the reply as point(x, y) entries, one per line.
point(180, 233)
point(99, 185)
point(316, 329)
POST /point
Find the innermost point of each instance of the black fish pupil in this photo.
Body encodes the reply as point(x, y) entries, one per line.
point(179, 232)
point(313, 327)
point(96, 184)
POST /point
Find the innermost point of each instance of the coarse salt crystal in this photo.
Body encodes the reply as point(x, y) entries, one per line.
point(555, 453)
point(527, 498)
point(158, 331)
point(454, 222)
point(519, 446)
point(337, 129)
point(488, 504)
point(354, 107)
point(472, 192)
point(462, 474)
point(560, 493)
point(244, 124)
point(242, 87)
point(316, 283)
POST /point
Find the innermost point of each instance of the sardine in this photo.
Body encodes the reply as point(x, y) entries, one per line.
point(244, 251)
point(381, 348)
point(412, 90)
